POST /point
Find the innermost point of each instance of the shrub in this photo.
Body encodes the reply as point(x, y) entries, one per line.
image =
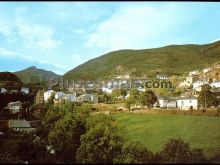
point(203, 110)
point(178, 151)
point(175, 151)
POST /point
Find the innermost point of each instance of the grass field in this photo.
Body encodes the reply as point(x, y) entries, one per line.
point(153, 131)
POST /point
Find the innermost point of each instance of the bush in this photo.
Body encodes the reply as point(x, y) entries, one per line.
point(218, 109)
point(178, 151)
point(203, 110)
point(175, 151)
point(134, 152)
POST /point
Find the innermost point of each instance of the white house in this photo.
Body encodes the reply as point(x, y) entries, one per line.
point(215, 84)
point(141, 89)
point(88, 98)
point(107, 90)
point(194, 72)
point(14, 107)
point(70, 97)
point(161, 102)
point(187, 102)
point(205, 70)
point(172, 105)
point(59, 95)
point(126, 76)
point(14, 91)
point(48, 94)
point(187, 82)
point(198, 84)
point(25, 90)
point(3, 90)
point(162, 77)
point(127, 95)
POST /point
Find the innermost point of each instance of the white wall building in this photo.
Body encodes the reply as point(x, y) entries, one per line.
point(59, 95)
point(205, 70)
point(107, 90)
point(70, 97)
point(198, 84)
point(172, 104)
point(161, 102)
point(25, 90)
point(3, 90)
point(162, 77)
point(141, 89)
point(194, 72)
point(48, 94)
point(187, 102)
point(15, 107)
point(88, 98)
point(215, 84)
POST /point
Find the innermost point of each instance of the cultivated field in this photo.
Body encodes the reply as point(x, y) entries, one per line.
point(155, 130)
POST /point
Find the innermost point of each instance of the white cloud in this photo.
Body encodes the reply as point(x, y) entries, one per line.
point(76, 57)
point(139, 26)
point(79, 31)
point(218, 39)
point(6, 26)
point(7, 53)
point(48, 43)
point(35, 35)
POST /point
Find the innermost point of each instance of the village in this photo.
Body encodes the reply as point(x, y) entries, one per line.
point(99, 92)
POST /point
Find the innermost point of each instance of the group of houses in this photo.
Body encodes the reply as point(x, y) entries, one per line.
point(194, 81)
point(197, 78)
point(59, 97)
point(25, 90)
point(185, 102)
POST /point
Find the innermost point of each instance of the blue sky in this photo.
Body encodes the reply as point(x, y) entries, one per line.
point(59, 36)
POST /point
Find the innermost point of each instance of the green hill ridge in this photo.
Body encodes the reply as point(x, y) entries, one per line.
point(172, 59)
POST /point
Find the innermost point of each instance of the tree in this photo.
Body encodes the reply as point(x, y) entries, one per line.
point(50, 100)
point(123, 92)
point(133, 98)
point(148, 98)
point(116, 93)
point(101, 143)
point(176, 151)
point(162, 91)
point(55, 87)
point(207, 98)
point(106, 97)
point(65, 136)
point(134, 152)
point(28, 147)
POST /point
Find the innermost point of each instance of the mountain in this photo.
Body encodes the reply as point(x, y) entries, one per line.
point(172, 59)
point(35, 75)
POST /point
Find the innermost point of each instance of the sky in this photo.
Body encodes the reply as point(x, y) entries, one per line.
point(59, 36)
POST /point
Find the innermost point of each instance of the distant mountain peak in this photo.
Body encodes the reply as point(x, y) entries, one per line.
point(33, 75)
point(32, 67)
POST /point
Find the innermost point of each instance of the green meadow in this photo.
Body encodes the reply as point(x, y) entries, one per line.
point(153, 131)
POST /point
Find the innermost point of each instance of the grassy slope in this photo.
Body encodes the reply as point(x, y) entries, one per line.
point(154, 130)
point(174, 59)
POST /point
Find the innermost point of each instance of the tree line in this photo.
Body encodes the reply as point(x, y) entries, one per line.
point(70, 134)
